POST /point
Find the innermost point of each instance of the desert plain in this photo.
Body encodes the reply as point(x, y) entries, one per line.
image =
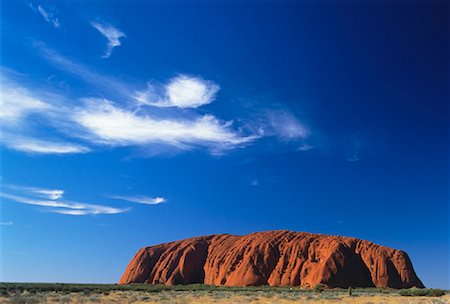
point(199, 294)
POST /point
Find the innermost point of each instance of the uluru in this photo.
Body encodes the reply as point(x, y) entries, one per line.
point(275, 258)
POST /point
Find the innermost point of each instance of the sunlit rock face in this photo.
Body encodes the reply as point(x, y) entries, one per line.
point(275, 258)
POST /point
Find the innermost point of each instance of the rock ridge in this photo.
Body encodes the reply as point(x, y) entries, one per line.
point(275, 258)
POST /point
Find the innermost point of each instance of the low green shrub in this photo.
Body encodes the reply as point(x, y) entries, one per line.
point(422, 292)
point(319, 288)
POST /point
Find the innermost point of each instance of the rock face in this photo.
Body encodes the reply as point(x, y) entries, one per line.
point(275, 258)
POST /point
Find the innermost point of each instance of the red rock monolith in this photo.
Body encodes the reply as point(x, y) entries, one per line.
point(275, 258)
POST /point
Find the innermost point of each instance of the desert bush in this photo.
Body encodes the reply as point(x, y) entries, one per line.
point(422, 292)
point(319, 288)
point(20, 299)
point(438, 301)
point(328, 296)
point(86, 291)
point(93, 299)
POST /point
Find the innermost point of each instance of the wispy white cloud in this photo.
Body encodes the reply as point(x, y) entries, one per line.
point(73, 212)
point(9, 223)
point(53, 194)
point(305, 147)
point(102, 122)
point(110, 124)
point(64, 207)
point(286, 126)
point(40, 202)
point(37, 146)
point(182, 91)
point(17, 102)
point(140, 199)
point(47, 13)
point(69, 211)
point(49, 17)
point(52, 200)
point(282, 124)
point(111, 33)
point(20, 108)
point(97, 80)
point(98, 122)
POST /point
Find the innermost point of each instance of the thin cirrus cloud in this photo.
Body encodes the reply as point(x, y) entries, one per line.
point(182, 91)
point(47, 14)
point(286, 126)
point(52, 201)
point(141, 199)
point(37, 146)
point(305, 147)
point(85, 211)
point(102, 122)
point(49, 17)
point(281, 124)
point(19, 106)
point(90, 76)
point(17, 102)
point(107, 123)
point(111, 33)
point(52, 194)
point(88, 123)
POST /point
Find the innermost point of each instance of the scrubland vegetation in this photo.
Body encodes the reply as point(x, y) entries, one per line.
point(184, 294)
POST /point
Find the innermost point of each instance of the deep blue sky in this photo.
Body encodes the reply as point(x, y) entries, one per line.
point(325, 117)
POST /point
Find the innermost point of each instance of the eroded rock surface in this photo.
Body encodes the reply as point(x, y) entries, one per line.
point(275, 258)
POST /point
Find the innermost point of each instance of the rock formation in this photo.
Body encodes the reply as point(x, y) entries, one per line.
point(275, 258)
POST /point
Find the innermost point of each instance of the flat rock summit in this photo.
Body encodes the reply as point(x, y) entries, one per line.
point(275, 258)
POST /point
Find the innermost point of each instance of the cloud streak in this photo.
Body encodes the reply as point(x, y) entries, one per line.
point(52, 201)
point(90, 76)
point(37, 146)
point(47, 14)
point(286, 126)
point(64, 207)
point(18, 102)
point(102, 122)
point(109, 124)
point(161, 120)
point(21, 110)
point(142, 199)
point(305, 147)
point(49, 17)
point(111, 33)
point(52, 194)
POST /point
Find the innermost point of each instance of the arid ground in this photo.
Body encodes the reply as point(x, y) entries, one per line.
point(199, 294)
